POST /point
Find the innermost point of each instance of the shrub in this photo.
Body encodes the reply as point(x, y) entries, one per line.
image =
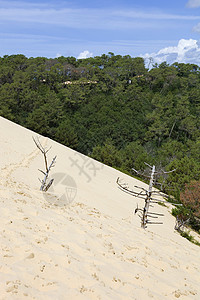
point(191, 197)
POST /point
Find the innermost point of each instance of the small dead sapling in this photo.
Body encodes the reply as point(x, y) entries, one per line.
point(45, 185)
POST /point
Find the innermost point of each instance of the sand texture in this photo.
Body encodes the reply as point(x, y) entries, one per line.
point(81, 239)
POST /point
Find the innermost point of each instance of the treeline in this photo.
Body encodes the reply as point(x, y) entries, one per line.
point(112, 108)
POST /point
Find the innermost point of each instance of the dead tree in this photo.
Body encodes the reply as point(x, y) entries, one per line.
point(44, 184)
point(150, 196)
point(145, 215)
point(181, 221)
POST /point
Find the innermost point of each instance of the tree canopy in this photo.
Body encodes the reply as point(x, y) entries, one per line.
point(110, 107)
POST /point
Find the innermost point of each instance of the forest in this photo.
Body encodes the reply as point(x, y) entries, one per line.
point(115, 109)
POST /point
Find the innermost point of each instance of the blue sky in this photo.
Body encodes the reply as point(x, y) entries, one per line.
point(83, 28)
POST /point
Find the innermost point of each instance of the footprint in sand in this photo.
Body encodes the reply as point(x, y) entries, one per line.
point(13, 286)
point(30, 256)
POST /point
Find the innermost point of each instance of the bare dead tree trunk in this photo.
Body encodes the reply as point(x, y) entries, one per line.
point(148, 199)
point(150, 196)
point(181, 221)
point(44, 185)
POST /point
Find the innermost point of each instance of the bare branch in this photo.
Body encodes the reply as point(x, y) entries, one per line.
point(181, 221)
point(48, 185)
point(147, 195)
point(148, 165)
point(44, 185)
point(165, 172)
point(153, 223)
point(140, 174)
point(157, 214)
point(42, 171)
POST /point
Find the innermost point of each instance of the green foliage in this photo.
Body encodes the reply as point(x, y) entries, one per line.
point(112, 108)
point(180, 210)
point(161, 204)
point(107, 154)
point(183, 210)
point(189, 237)
point(134, 155)
point(65, 134)
point(171, 150)
point(46, 116)
point(186, 169)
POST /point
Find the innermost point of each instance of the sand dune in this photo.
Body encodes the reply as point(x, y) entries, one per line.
point(81, 240)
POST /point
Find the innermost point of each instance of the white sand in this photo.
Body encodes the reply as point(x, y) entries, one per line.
point(92, 248)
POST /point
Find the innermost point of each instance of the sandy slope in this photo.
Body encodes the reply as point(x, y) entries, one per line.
point(92, 248)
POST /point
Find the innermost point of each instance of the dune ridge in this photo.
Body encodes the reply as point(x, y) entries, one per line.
point(81, 239)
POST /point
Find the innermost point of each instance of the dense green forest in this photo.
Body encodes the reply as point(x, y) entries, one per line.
point(113, 109)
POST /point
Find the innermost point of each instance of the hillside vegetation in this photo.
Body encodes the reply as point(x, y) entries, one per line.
point(113, 109)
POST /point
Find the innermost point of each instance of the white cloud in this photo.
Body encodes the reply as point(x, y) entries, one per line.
point(85, 54)
point(187, 51)
point(193, 3)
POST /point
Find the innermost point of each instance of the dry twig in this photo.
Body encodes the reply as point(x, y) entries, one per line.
point(44, 185)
